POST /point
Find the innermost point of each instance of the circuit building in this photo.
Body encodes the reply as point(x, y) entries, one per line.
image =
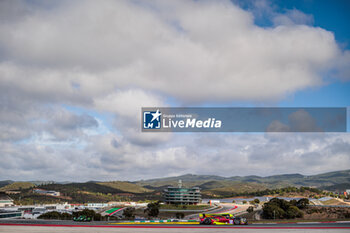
point(182, 196)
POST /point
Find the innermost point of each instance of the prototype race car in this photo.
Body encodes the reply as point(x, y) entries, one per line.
point(82, 218)
point(221, 219)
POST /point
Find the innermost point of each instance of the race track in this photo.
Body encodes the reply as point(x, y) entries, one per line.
point(29, 226)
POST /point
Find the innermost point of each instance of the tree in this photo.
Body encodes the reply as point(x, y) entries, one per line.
point(89, 213)
point(293, 202)
point(302, 203)
point(250, 209)
point(66, 216)
point(180, 215)
point(293, 212)
point(244, 202)
point(50, 215)
point(129, 213)
point(97, 217)
point(153, 209)
point(279, 208)
point(271, 211)
point(256, 200)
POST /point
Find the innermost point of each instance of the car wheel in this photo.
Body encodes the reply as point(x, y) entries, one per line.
point(207, 221)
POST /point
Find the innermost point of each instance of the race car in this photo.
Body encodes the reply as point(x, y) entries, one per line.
point(82, 218)
point(221, 219)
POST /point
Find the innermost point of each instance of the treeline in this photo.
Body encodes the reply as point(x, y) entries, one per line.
point(66, 216)
point(81, 197)
point(286, 190)
point(281, 209)
point(313, 192)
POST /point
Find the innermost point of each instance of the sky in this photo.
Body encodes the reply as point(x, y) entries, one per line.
point(75, 74)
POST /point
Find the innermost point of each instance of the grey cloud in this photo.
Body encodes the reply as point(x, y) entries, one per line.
point(340, 146)
point(242, 155)
point(69, 121)
point(288, 154)
point(22, 119)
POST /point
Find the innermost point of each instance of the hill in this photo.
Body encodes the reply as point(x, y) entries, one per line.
point(229, 188)
point(336, 187)
point(89, 187)
point(85, 192)
point(218, 183)
point(125, 186)
point(188, 180)
point(5, 182)
point(17, 186)
point(211, 186)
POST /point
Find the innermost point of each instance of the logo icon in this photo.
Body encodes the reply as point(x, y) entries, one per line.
point(151, 120)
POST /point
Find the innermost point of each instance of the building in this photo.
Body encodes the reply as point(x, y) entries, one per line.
point(46, 192)
point(182, 196)
point(5, 201)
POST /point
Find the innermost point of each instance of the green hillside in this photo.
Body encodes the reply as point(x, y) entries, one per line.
point(230, 188)
point(125, 186)
point(17, 186)
point(188, 180)
point(337, 187)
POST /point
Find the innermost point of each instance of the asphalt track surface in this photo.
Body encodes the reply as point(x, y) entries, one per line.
point(29, 226)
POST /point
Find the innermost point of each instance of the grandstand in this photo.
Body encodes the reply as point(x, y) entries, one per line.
point(5, 200)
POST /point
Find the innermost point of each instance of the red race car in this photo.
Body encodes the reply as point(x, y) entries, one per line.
point(221, 219)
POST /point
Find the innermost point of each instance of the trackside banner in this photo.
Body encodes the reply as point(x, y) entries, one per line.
point(165, 119)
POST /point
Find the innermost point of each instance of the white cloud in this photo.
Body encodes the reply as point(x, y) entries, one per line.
point(192, 51)
point(292, 17)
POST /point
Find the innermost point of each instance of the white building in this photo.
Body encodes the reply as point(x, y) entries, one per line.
point(47, 192)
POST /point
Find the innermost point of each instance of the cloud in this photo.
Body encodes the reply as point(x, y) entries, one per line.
point(192, 51)
point(302, 121)
point(126, 105)
point(298, 121)
point(238, 155)
point(342, 67)
point(110, 58)
point(292, 17)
